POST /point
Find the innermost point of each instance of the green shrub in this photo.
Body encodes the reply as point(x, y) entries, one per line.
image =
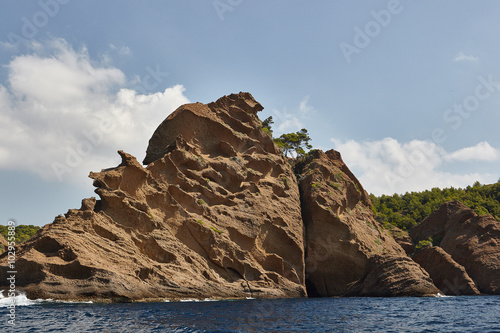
point(423, 244)
point(335, 185)
point(339, 176)
point(216, 230)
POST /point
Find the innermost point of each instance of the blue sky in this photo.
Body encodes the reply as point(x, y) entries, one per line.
point(407, 91)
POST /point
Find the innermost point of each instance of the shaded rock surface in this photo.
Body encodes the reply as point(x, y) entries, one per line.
point(472, 241)
point(216, 213)
point(347, 250)
point(403, 239)
point(449, 276)
point(391, 275)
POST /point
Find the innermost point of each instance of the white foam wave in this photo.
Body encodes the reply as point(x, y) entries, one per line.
point(22, 300)
point(198, 300)
point(19, 300)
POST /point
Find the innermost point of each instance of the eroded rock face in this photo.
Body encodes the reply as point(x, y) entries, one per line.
point(449, 276)
point(471, 240)
point(347, 251)
point(403, 239)
point(216, 213)
point(391, 275)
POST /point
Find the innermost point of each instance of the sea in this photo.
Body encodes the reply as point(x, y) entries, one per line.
point(404, 314)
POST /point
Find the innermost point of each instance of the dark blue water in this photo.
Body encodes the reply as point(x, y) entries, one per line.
point(447, 314)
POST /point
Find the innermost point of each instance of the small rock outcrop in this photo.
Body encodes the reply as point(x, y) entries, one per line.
point(391, 275)
point(216, 213)
point(449, 276)
point(472, 241)
point(347, 250)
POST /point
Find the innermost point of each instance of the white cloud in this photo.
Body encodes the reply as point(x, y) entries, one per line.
point(293, 121)
point(124, 50)
point(63, 116)
point(290, 124)
point(462, 57)
point(7, 46)
point(387, 166)
point(114, 52)
point(304, 108)
point(480, 152)
point(67, 77)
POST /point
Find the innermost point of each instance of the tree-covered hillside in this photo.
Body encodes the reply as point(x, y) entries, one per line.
point(405, 211)
point(23, 232)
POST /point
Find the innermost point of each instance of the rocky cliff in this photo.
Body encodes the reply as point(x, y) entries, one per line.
point(449, 276)
point(472, 242)
point(347, 251)
point(218, 212)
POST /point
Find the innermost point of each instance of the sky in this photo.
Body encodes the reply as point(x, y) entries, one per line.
point(407, 91)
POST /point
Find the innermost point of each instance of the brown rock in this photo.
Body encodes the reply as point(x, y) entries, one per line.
point(346, 248)
point(403, 239)
point(393, 275)
point(449, 276)
point(216, 213)
point(472, 241)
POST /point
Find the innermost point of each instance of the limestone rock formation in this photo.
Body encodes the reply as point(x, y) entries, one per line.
point(391, 275)
point(449, 276)
point(216, 213)
point(473, 241)
point(347, 251)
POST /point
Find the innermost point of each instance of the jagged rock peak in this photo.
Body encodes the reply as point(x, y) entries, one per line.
point(243, 100)
point(233, 117)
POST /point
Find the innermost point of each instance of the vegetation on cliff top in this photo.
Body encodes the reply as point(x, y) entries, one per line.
point(294, 144)
point(403, 211)
point(407, 210)
point(23, 233)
